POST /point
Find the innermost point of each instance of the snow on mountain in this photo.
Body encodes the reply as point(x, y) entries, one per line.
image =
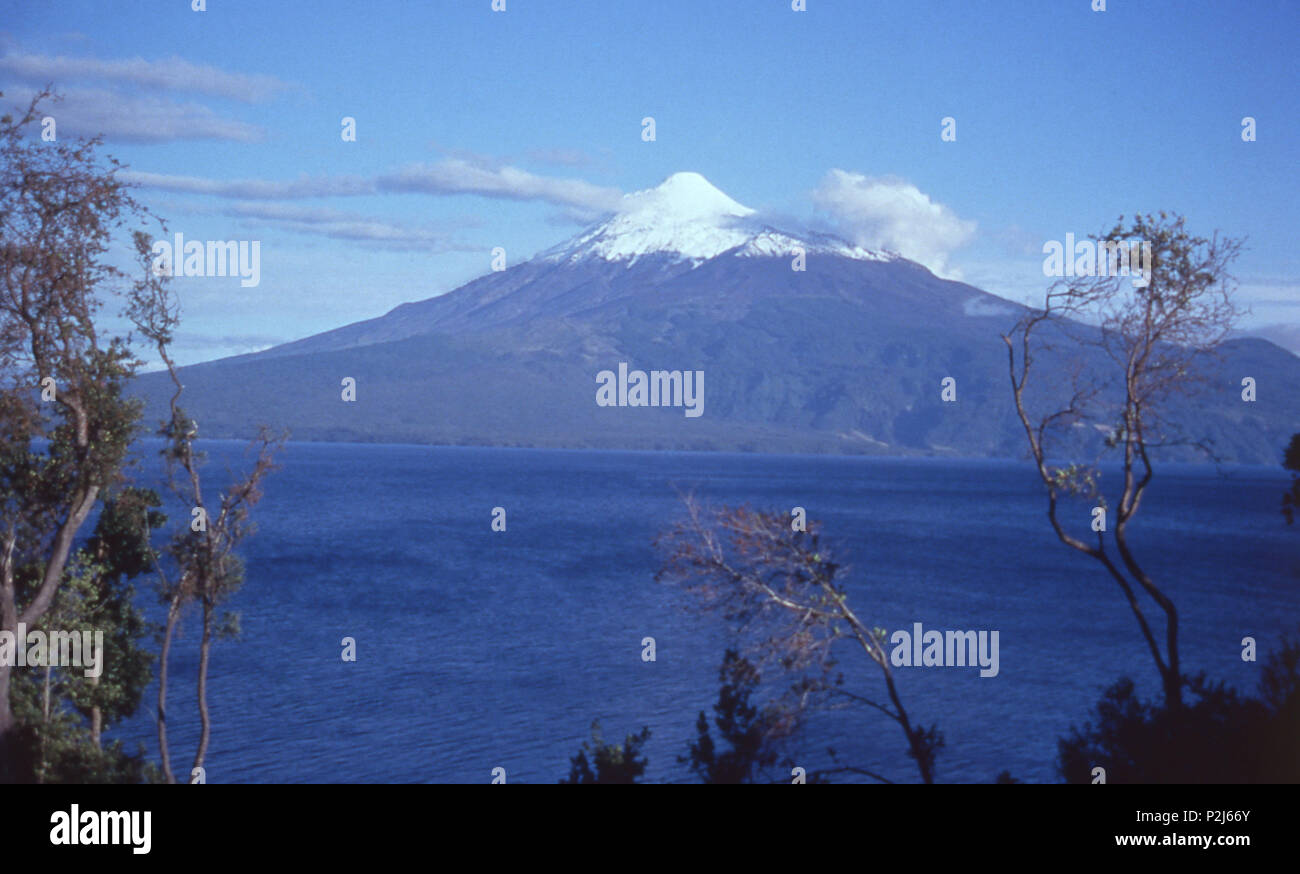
point(686, 218)
point(845, 357)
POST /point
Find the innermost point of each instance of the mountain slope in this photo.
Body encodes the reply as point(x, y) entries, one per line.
point(845, 356)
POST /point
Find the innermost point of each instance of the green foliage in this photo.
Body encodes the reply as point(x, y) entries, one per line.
point(1218, 736)
point(57, 709)
point(60, 751)
point(120, 542)
point(746, 731)
point(613, 763)
point(1077, 479)
point(66, 425)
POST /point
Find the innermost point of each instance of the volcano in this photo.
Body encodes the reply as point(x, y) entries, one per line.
point(808, 344)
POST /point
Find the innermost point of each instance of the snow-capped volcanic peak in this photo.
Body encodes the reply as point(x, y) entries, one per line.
point(682, 198)
point(686, 218)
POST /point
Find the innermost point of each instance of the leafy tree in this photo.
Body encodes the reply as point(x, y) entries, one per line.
point(1150, 338)
point(66, 425)
point(65, 419)
point(119, 550)
point(747, 731)
point(63, 709)
point(599, 762)
point(199, 565)
point(1218, 736)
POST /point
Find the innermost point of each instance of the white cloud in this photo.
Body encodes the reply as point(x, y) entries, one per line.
point(172, 74)
point(340, 225)
point(459, 176)
point(889, 213)
point(93, 112)
point(126, 99)
point(253, 189)
point(447, 177)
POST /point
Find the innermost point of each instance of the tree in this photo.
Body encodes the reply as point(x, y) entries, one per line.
point(1291, 461)
point(63, 712)
point(1135, 345)
point(119, 548)
point(66, 425)
point(65, 421)
point(782, 589)
point(1218, 736)
point(202, 567)
point(747, 731)
point(608, 763)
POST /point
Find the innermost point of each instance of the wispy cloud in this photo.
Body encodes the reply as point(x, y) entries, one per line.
point(133, 99)
point(889, 213)
point(130, 118)
point(453, 176)
point(340, 225)
point(254, 189)
point(461, 176)
point(169, 74)
point(250, 342)
point(194, 348)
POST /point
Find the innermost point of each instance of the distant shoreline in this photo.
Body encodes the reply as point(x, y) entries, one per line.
point(973, 460)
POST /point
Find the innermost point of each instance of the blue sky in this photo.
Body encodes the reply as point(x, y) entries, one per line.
point(478, 129)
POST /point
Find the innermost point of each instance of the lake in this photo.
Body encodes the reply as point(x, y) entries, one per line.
point(479, 649)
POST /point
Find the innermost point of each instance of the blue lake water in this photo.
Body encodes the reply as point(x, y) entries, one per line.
point(479, 650)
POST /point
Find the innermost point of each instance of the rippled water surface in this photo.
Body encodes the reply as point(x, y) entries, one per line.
point(479, 649)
